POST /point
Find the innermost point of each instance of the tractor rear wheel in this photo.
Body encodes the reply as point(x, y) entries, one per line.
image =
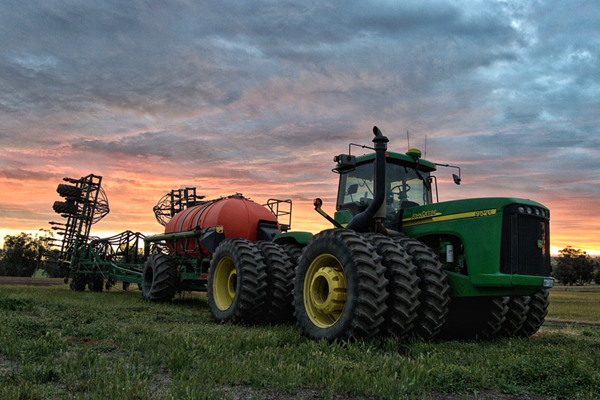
point(159, 278)
point(340, 287)
point(403, 286)
point(538, 309)
point(237, 282)
point(435, 290)
point(280, 283)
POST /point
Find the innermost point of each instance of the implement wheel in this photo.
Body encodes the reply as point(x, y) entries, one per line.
point(97, 283)
point(65, 207)
point(79, 282)
point(237, 282)
point(340, 287)
point(69, 191)
point(159, 279)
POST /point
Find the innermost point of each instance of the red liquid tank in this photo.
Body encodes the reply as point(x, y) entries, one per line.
point(238, 216)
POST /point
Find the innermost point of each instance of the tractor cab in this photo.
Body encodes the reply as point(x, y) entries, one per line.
point(407, 184)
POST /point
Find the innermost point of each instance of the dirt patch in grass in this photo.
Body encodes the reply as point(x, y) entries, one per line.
point(9, 280)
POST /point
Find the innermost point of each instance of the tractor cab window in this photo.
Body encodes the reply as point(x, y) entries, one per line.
point(404, 188)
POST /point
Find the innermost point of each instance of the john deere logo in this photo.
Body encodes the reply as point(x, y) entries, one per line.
point(424, 214)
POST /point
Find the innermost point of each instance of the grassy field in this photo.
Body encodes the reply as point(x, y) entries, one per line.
point(56, 343)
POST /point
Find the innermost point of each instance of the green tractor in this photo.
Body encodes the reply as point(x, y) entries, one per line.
point(400, 263)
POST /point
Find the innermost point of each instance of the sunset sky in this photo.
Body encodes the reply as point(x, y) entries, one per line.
point(258, 96)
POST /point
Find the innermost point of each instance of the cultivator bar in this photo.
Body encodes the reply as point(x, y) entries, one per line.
point(85, 204)
point(90, 260)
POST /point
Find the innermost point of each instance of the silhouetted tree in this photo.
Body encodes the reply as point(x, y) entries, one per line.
point(573, 266)
point(22, 254)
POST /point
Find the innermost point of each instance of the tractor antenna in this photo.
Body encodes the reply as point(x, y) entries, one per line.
point(408, 139)
point(425, 156)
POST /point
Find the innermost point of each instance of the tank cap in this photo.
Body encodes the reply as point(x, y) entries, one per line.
point(415, 153)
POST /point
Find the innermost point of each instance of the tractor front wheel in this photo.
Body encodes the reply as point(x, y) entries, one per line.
point(237, 282)
point(518, 307)
point(159, 278)
point(340, 287)
point(538, 309)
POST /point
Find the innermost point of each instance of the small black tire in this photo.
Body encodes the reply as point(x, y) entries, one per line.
point(97, 282)
point(538, 309)
point(237, 282)
point(279, 306)
point(518, 307)
point(65, 207)
point(126, 285)
point(435, 291)
point(340, 287)
point(159, 278)
point(69, 191)
point(79, 282)
point(403, 286)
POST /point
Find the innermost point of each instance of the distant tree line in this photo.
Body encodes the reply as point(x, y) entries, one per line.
point(24, 254)
point(576, 267)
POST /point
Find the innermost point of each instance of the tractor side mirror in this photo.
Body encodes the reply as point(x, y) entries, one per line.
point(456, 179)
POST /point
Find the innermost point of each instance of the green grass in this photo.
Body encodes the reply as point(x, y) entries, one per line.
point(575, 304)
point(56, 343)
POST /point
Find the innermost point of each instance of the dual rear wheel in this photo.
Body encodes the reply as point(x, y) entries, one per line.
point(351, 285)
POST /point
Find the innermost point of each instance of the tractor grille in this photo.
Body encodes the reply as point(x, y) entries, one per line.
point(525, 241)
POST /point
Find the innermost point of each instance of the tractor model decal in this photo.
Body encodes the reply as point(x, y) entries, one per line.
point(425, 218)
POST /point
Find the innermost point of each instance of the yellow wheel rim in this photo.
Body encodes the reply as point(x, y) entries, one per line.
point(325, 290)
point(224, 283)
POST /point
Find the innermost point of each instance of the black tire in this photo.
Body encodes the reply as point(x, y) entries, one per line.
point(403, 287)
point(126, 285)
point(294, 250)
point(479, 318)
point(237, 282)
point(279, 305)
point(518, 307)
point(79, 282)
point(159, 278)
point(65, 207)
point(69, 191)
point(340, 287)
point(435, 290)
point(110, 282)
point(97, 283)
point(538, 309)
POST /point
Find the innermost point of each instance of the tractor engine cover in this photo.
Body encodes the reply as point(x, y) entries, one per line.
point(240, 218)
